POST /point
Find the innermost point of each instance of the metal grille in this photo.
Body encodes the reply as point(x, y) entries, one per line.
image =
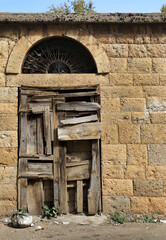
point(59, 55)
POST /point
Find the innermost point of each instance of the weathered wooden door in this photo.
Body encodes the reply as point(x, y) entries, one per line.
point(59, 149)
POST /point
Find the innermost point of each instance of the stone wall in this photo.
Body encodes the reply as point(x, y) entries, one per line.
point(131, 62)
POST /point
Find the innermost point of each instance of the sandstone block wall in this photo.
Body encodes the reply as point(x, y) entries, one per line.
point(133, 114)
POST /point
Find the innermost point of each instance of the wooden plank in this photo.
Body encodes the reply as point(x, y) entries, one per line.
point(79, 196)
point(78, 106)
point(37, 157)
point(31, 135)
point(33, 176)
point(80, 132)
point(66, 95)
point(72, 121)
point(56, 159)
point(38, 109)
point(22, 183)
point(47, 131)
point(80, 163)
point(43, 168)
point(39, 135)
point(65, 88)
point(93, 192)
point(63, 179)
point(35, 197)
point(78, 172)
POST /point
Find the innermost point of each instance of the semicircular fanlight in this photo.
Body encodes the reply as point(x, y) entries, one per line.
point(59, 55)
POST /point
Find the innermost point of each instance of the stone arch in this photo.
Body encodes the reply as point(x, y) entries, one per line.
point(86, 39)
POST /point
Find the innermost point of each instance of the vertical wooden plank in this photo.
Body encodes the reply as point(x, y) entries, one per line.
point(47, 131)
point(79, 196)
point(63, 179)
point(56, 159)
point(22, 183)
point(39, 134)
point(35, 197)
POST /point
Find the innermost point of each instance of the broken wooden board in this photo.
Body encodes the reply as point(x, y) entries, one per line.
point(77, 120)
point(78, 172)
point(78, 106)
point(80, 132)
point(35, 197)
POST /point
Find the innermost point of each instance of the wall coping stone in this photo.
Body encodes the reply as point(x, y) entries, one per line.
point(82, 18)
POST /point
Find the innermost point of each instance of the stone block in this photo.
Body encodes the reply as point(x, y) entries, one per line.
point(112, 172)
point(117, 187)
point(148, 188)
point(117, 79)
point(8, 122)
point(142, 39)
point(135, 172)
point(2, 80)
point(8, 139)
point(8, 192)
point(8, 108)
point(156, 172)
point(116, 117)
point(8, 175)
point(6, 207)
point(122, 92)
point(109, 105)
point(125, 38)
point(129, 133)
point(156, 104)
point(156, 50)
point(139, 205)
point(139, 65)
point(137, 154)
point(163, 79)
point(157, 205)
point(158, 117)
point(8, 95)
point(155, 91)
point(4, 52)
point(117, 50)
point(157, 154)
point(133, 104)
point(8, 157)
point(109, 134)
point(153, 133)
point(116, 204)
point(137, 51)
point(146, 79)
point(158, 38)
point(118, 65)
point(140, 118)
point(114, 154)
point(159, 65)
point(56, 80)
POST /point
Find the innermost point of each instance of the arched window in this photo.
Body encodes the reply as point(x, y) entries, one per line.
point(58, 55)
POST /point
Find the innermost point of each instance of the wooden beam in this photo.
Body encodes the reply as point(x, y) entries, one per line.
point(80, 132)
point(78, 106)
point(72, 121)
point(79, 196)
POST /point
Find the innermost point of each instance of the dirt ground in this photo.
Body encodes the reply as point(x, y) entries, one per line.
point(72, 227)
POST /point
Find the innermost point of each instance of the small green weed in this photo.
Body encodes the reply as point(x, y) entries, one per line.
point(148, 220)
point(23, 210)
point(117, 218)
point(50, 212)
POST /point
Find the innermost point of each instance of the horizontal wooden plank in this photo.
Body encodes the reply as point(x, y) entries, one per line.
point(78, 172)
point(65, 88)
point(78, 106)
point(40, 167)
point(80, 132)
point(72, 121)
point(34, 176)
point(80, 163)
point(37, 157)
point(75, 94)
